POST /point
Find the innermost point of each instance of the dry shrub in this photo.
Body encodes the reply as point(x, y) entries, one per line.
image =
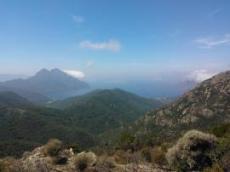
point(158, 155)
point(147, 154)
point(215, 168)
point(84, 160)
point(4, 166)
point(53, 147)
point(63, 156)
point(105, 164)
point(192, 151)
point(155, 155)
point(10, 165)
point(225, 161)
point(121, 157)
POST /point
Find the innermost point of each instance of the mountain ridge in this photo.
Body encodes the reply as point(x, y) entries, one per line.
point(204, 107)
point(11, 99)
point(116, 107)
point(54, 84)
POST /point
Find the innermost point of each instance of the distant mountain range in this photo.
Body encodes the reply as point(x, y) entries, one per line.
point(45, 85)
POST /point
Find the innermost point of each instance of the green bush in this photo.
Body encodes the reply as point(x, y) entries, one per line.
point(126, 141)
point(221, 130)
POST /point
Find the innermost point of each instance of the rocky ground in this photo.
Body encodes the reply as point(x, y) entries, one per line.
point(67, 161)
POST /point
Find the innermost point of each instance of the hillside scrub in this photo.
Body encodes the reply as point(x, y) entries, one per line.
point(154, 155)
point(192, 152)
point(53, 147)
point(84, 160)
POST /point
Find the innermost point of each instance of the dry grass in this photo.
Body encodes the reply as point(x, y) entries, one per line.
point(215, 168)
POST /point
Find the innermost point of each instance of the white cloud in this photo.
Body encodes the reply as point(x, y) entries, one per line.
point(78, 19)
point(200, 75)
point(110, 45)
point(209, 42)
point(75, 73)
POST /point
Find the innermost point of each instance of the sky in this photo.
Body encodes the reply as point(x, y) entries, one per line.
point(116, 40)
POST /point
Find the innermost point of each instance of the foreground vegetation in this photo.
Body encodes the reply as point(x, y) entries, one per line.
point(194, 151)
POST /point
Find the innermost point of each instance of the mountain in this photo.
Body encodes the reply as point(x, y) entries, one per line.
point(11, 99)
point(77, 121)
point(6, 77)
point(33, 97)
point(24, 126)
point(102, 110)
point(54, 84)
point(205, 106)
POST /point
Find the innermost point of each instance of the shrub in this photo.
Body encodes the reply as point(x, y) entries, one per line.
point(63, 156)
point(215, 168)
point(146, 154)
point(10, 165)
point(109, 163)
point(84, 160)
point(225, 160)
point(126, 141)
point(221, 130)
point(3, 166)
point(75, 147)
point(155, 155)
point(158, 155)
point(53, 147)
point(121, 157)
point(192, 151)
point(106, 163)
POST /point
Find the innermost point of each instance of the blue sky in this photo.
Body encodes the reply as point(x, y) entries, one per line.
point(116, 39)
